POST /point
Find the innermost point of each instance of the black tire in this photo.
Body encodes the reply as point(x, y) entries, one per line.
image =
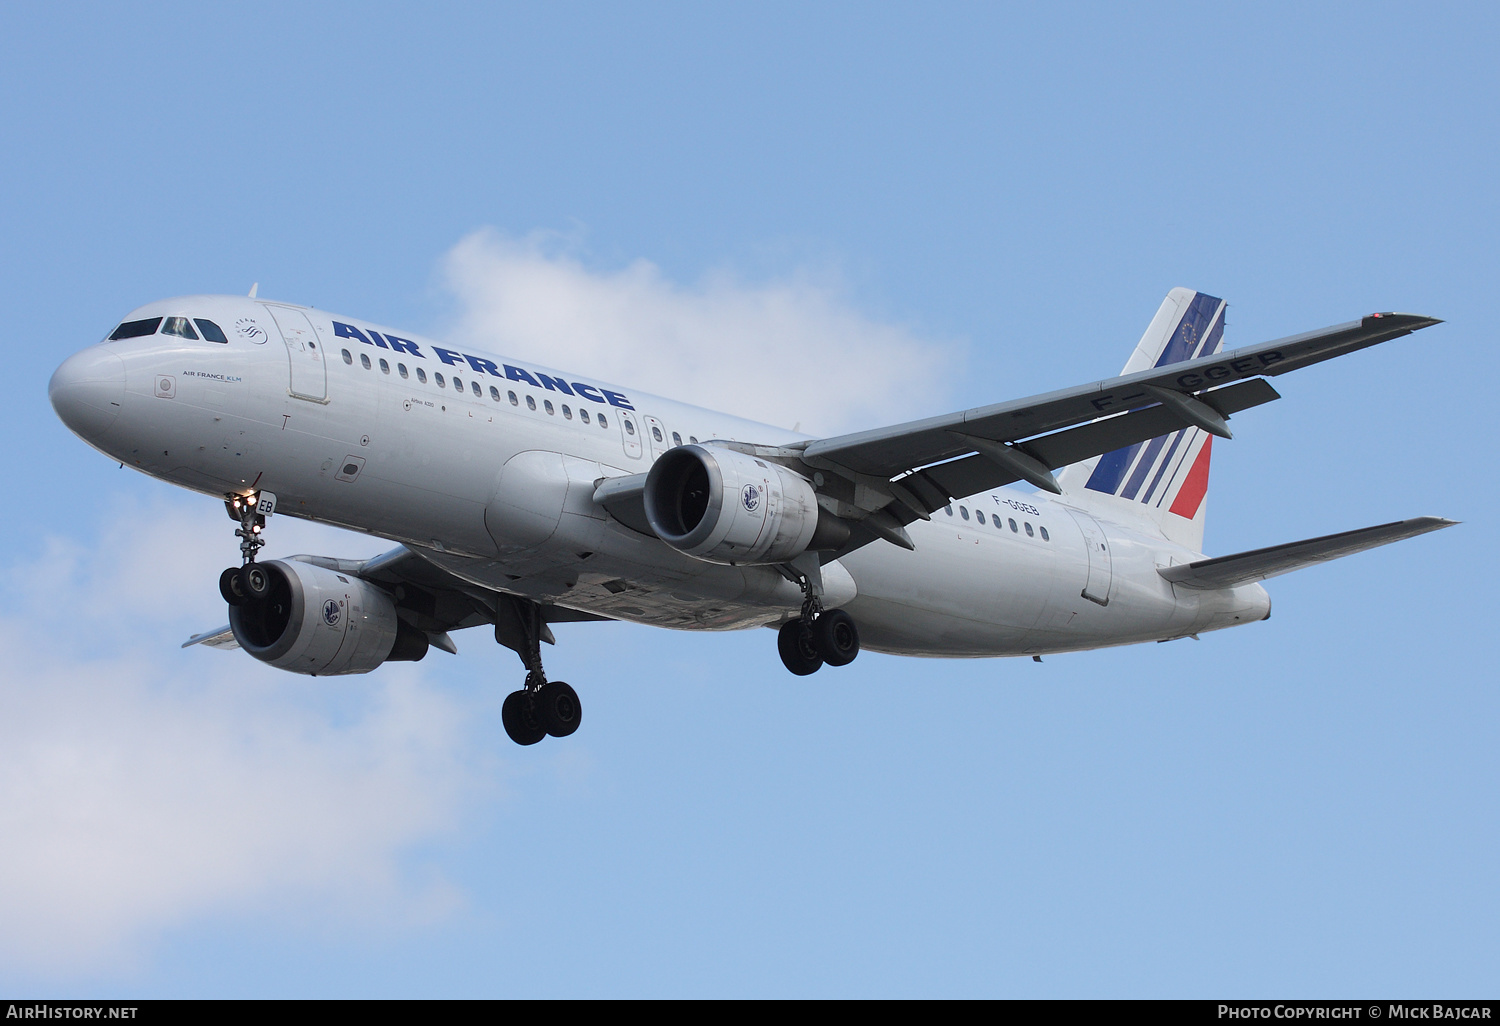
point(519, 717)
point(836, 637)
point(232, 587)
point(558, 709)
point(256, 581)
point(801, 659)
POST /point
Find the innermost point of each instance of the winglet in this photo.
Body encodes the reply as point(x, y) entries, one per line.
point(254, 289)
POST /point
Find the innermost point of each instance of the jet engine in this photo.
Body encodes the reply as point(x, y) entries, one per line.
point(724, 506)
point(309, 619)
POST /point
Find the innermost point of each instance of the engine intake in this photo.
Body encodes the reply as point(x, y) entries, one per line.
point(318, 621)
point(724, 506)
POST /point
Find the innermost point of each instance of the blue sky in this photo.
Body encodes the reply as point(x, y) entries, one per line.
point(969, 204)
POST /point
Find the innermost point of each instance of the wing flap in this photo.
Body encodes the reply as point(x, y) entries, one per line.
point(1259, 564)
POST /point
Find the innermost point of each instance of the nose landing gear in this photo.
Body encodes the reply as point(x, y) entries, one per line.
point(542, 707)
point(248, 582)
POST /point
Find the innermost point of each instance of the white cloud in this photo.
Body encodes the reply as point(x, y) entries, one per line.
point(142, 787)
point(785, 351)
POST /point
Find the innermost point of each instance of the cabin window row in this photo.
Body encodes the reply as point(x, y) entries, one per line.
point(1000, 523)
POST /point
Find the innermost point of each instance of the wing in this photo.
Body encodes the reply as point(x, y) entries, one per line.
point(898, 474)
point(1243, 567)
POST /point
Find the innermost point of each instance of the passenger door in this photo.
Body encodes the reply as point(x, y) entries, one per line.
point(309, 375)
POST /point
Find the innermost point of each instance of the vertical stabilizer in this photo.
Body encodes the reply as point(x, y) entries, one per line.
point(1163, 480)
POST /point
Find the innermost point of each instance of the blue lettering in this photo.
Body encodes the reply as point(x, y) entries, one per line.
point(482, 366)
point(517, 374)
point(449, 357)
point(555, 384)
point(589, 392)
point(616, 399)
point(404, 345)
point(375, 337)
point(342, 330)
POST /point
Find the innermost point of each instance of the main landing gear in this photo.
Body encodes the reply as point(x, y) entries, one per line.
point(542, 707)
point(818, 636)
point(241, 585)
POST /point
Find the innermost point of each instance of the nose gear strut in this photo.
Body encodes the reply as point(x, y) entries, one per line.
point(250, 512)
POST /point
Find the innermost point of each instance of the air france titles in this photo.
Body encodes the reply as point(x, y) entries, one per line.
point(480, 365)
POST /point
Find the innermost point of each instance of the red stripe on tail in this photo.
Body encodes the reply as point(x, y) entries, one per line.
point(1196, 486)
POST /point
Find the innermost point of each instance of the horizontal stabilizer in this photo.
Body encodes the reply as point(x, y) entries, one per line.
point(221, 638)
point(1244, 567)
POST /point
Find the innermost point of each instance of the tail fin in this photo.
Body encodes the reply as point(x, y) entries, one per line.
point(1163, 480)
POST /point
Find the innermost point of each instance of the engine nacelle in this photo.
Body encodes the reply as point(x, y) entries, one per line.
point(725, 506)
point(323, 622)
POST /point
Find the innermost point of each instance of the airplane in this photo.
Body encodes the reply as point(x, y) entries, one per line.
point(522, 496)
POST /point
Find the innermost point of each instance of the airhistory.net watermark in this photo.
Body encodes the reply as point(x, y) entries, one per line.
point(42, 1010)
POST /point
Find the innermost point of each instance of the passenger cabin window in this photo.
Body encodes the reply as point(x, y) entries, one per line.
point(693, 439)
point(1029, 532)
point(583, 415)
point(656, 433)
point(458, 386)
point(401, 369)
point(676, 438)
point(979, 515)
point(348, 357)
point(136, 329)
point(211, 331)
point(530, 403)
point(567, 413)
point(1013, 526)
point(180, 327)
point(949, 510)
point(364, 360)
point(963, 511)
point(494, 393)
point(1045, 535)
point(513, 400)
point(437, 379)
point(474, 387)
point(421, 375)
point(629, 428)
point(547, 405)
point(602, 422)
point(385, 368)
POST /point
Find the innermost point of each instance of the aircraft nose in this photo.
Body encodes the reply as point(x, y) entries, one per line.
point(87, 391)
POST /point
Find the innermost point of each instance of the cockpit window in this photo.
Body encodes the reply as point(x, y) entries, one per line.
point(211, 331)
point(180, 327)
point(136, 329)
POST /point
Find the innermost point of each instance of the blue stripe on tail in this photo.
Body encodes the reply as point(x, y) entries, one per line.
point(1200, 332)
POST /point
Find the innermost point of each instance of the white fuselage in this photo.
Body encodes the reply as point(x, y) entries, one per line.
point(499, 491)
